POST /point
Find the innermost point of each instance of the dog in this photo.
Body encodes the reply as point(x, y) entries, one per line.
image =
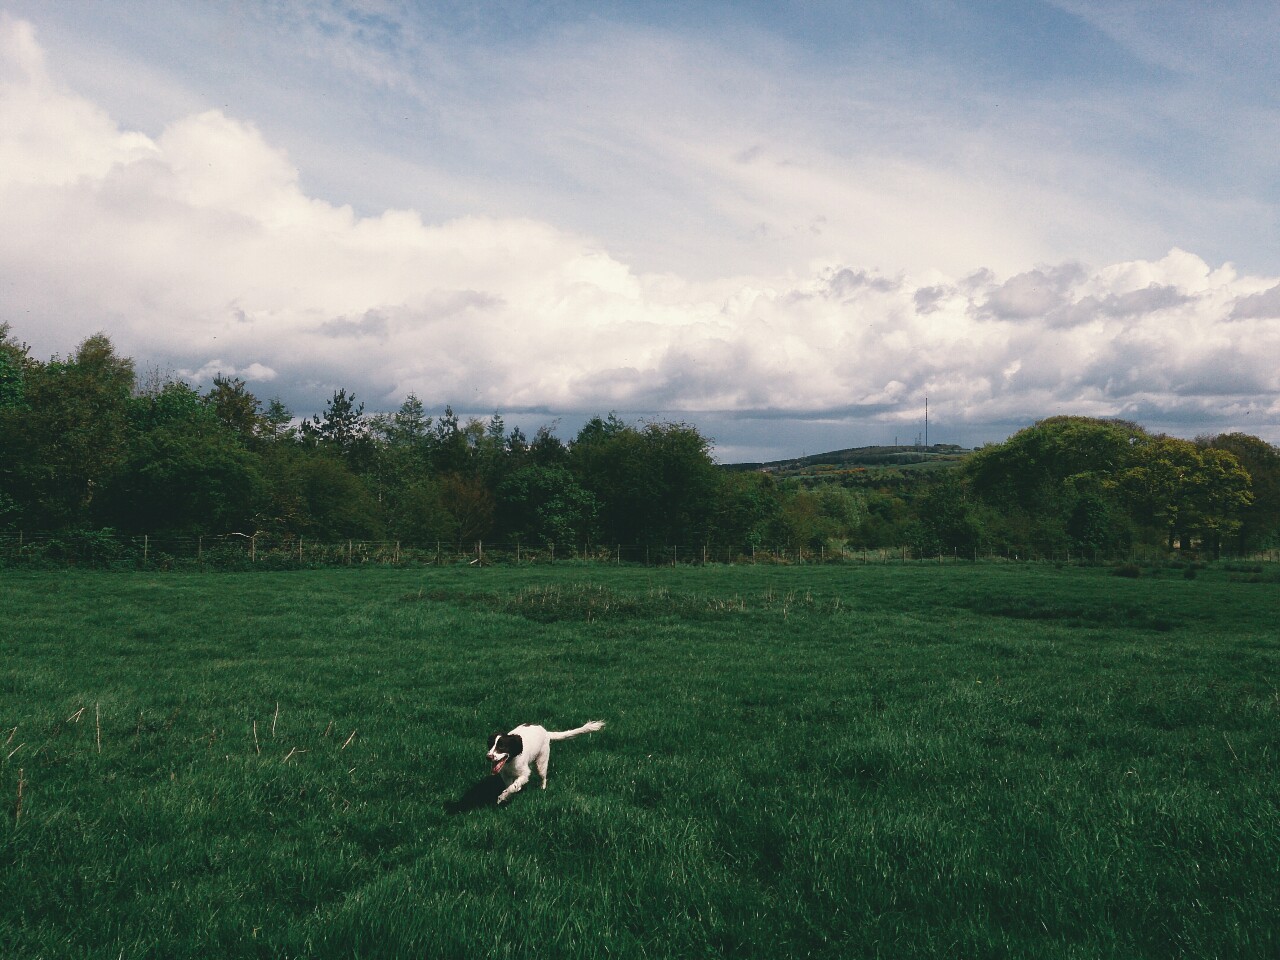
point(515, 754)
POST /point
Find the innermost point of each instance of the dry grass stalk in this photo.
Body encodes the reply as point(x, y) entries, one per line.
point(1230, 747)
point(291, 753)
point(349, 739)
point(274, 719)
point(15, 750)
point(17, 809)
point(328, 729)
point(12, 733)
point(75, 717)
point(257, 748)
point(97, 718)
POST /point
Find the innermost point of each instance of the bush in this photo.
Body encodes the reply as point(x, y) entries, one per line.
point(94, 548)
point(1130, 570)
point(1242, 567)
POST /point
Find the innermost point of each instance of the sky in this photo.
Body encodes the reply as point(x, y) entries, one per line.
point(787, 223)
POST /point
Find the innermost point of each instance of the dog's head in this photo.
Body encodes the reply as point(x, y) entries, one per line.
point(502, 747)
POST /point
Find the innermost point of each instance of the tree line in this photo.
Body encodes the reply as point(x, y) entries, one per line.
point(86, 443)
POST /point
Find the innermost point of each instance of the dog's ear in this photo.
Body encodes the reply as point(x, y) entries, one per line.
point(493, 738)
point(511, 744)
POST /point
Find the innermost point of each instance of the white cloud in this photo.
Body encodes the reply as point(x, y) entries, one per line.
point(201, 248)
point(257, 372)
point(48, 137)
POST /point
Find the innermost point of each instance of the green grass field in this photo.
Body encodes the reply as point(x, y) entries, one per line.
point(907, 761)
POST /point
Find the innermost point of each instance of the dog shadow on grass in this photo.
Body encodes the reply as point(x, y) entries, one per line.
point(481, 794)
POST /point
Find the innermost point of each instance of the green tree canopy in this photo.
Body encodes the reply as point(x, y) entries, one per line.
point(1260, 519)
point(544, 505)
point(655, 484)
point(1036, 467)
point(1181, 490)
point(73, 433)
point(236, 408)
point(342, 430)
point(13, 363)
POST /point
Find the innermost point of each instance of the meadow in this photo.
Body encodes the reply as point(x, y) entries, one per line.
point(898, 761)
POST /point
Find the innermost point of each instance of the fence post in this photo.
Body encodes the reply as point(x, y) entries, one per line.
point(299, 549)
point(253, 548)
point(146, 545)
point(619, 554)
point(200, 552)
point(348, 553)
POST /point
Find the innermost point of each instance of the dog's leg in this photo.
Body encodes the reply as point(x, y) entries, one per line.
point(515, 787)
point(544, 758)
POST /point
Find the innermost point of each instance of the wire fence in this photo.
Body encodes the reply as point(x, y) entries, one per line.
point(269, 551)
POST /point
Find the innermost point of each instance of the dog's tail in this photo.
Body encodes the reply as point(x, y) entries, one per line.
point(590, 726)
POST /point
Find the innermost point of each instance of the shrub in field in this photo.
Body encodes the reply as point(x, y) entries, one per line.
point(1130, 570)
point(227, 557)
point(92, 548)
point(1250, 578)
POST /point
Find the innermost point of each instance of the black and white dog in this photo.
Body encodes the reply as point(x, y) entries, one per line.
point(516, 753)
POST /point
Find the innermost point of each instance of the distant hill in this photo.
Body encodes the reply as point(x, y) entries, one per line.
point(860, 457)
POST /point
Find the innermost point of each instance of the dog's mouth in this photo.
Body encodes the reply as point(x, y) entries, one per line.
point(497, 767)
